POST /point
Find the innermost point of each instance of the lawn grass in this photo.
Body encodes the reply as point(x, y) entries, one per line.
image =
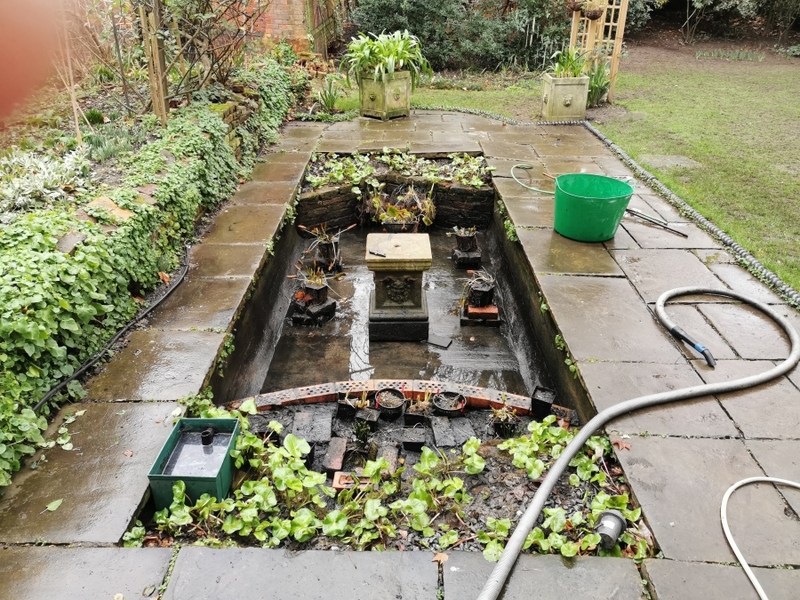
point(740, 123)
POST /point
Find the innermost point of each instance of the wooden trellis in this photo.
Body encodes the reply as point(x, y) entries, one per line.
point(602, 36)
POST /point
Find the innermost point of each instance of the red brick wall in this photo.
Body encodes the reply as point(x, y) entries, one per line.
point(285, 20)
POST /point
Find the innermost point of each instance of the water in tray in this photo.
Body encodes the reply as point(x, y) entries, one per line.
point(191, 459)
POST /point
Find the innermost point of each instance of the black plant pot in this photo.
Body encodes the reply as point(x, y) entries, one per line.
point(391, 402)
point(449, 404)
point(480, 294)
point(505, 429)
point(467, 243)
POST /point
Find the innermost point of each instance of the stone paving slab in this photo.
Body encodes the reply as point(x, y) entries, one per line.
point(691, 320)
point(158, 365)
point(604, 318)
point(653, 272)
point(751, 333)
point(255, 573)
point(102, 480)
point(502, 149)
point(545, 578)
point(202, 303)
point(292, 156)
point(246, 224)
point(780, 459)
point(622, 240)
point(770, 410)
point(510, 189)
point(225, 260)
point(741, 281)
point(502, 169)
point(549, 252)
point(313, 424)
point(536, 213)
point(662, 208)
point(680, 483)
point(559, 165)
point(558, 145)
point(610, 383)
point(675, 580)
point(277, 171)
point(49, 573)
point(266, 192)
point(612, 166)
point(652, 236)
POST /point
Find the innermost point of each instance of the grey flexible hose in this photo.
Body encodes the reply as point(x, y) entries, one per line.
point(494, 585)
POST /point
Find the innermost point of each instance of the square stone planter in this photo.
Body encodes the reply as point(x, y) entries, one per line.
point(385, 99)
point(564, 98)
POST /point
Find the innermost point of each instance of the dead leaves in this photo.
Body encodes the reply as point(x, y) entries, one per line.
point(128, 453)
point(164, 277)
point(439, 557)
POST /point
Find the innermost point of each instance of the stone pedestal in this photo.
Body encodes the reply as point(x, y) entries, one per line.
point(398, 308)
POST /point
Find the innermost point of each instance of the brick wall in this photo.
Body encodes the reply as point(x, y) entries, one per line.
point(285, 20)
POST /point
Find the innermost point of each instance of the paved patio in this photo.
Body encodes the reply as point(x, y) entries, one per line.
point(601, 296)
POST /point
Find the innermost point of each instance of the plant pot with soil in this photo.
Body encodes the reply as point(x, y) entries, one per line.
point(480, 289)
point(466, 238)
point(505, 421)
point(417, 411)
point(449, 404)
point(390, 402)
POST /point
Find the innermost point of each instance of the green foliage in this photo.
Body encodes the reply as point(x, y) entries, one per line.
point(381, 55)
point(277, 90)
point(284, 54)
point(599, 82)
point(569, 63)
point(94, 116)
point(329, 93)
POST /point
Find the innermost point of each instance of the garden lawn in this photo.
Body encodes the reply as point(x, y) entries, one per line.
point(740, 121)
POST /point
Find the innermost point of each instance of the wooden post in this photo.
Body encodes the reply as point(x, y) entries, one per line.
point(619, 32)
point(156, 65)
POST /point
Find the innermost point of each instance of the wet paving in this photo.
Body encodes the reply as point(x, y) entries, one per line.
point(341, 349)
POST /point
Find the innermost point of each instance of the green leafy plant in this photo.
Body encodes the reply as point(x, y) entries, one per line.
point(568, 63)
point(329, 93)
point(382, 55)
point(599, 82)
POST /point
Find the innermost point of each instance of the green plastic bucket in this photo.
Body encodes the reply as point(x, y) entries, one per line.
point(588, 208)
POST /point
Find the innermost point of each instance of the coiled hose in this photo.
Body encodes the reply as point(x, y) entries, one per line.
point(494, 585)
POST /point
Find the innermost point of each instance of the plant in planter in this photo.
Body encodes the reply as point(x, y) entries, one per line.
point(593, 9)
point(386, 67)
point(404, 209)
point(480, 289)
point(449, 404)
point(566, 88)
point(390, 402)
point(505, 421)
point(311, 305)
point(417, 411)
point(466, 238)
point(327, 247)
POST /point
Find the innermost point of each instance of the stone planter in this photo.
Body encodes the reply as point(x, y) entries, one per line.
point(564, 98)
point(385, 99)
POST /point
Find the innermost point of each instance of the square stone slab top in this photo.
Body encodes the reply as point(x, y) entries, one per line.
point(226, 260)
point(268, 172)
point(207, 574)
point(246, 224)
point(550, 252)
point(102, 481)
point(692, 321)
point(751, 333)
point(313, 423)
point(603, 318)
point(50, 573)
point(400, 252)
point(266, 192)
point(740, 280)
point(650, 235)
point(653, 272)
point(461, 142)
point(680, 482)
point(520, 152)
point(781, 459)
point(674, 580)
point(158, 365)
point(502, 168)
point(202, 303)
point(545, 577)
point(770, 410)
point(535, 213)
point(610, 383)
